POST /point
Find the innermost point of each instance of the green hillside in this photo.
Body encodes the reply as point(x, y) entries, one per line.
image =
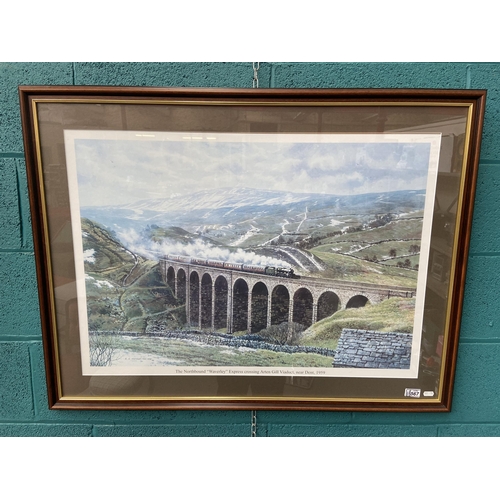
point(173, 234)
point(124, 290)
point(392, 315)
point(104, 255)
point(344, 267)
point(399, 229)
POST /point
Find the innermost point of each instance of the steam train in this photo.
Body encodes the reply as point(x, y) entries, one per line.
point(283, 272)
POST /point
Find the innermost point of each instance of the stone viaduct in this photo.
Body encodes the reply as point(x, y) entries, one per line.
point(218, 298)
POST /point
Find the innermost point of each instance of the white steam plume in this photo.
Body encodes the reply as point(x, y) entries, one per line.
point(198, 249)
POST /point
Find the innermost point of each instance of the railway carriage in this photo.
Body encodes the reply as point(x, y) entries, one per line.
point(253, 268)
point(233, 266)
point(215, 263)
point(202, 262)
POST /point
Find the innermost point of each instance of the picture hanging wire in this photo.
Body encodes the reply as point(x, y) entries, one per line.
point(255, 85)
point(255, 81)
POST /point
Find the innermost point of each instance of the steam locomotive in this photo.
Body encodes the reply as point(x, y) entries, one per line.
point(283, 272)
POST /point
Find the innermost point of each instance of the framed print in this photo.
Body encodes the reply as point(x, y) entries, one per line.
point(251, 249)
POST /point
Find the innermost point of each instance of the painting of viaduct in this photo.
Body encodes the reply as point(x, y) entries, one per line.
point(237, 300)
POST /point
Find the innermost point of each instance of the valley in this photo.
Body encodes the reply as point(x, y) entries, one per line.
point(372, 239)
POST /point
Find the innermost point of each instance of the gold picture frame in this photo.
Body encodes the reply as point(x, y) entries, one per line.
point(251, 249)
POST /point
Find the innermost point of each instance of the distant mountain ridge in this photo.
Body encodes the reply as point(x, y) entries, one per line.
point(218, 198)
point(233, 206)
point(241, 197)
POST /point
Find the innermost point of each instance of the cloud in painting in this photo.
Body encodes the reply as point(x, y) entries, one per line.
point(121, 171)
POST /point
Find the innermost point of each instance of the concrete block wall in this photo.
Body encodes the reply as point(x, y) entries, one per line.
point(23, 395)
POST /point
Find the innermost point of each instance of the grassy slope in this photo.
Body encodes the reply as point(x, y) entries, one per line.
point(124, 290)
point(399, 234)
point(110, 260)
point(401, 229)
point(362, 249)
point(392, 315)
point(184, 352)
point(148, 298)
point(343, 267)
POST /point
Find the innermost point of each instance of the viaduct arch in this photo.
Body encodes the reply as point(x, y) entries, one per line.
point(219, 298)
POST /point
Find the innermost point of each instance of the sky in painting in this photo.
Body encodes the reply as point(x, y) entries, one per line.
point(116, 171)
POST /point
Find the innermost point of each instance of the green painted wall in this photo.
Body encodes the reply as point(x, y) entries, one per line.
point(23, 397)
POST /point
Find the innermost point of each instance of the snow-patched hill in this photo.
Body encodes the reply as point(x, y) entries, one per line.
point(237, 198)
point(221, 198)
point(250, 218)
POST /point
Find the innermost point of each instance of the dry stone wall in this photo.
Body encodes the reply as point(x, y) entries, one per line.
point(371, 349)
